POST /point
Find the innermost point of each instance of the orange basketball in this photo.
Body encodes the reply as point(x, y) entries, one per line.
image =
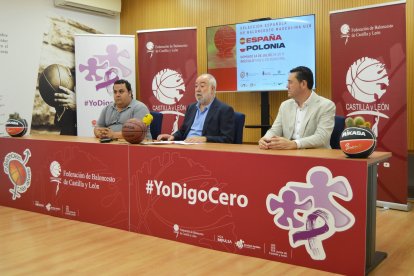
point(134, 131)
point(51, 78)
point(17, 172)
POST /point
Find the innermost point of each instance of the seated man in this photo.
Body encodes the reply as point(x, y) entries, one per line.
point(114, 115)
point(207, 120)
point(306, 120)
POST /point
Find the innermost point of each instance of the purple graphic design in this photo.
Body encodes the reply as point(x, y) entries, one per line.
point(92, 68)
point(112, 58)
point(313, 235)
point(287, 207)
point(323, 190)
point(310, 210)
point(311, 231)
point(108, 80)
point(111, 62)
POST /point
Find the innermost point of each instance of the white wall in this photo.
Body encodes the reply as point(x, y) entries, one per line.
point(22, 27)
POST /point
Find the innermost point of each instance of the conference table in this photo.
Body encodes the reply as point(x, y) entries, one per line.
point(312, 207)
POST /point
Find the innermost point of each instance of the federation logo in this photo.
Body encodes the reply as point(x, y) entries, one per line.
point(176, 229)
point(55, 170)
point(19, 174)
point(150, 48)
point(345, 29)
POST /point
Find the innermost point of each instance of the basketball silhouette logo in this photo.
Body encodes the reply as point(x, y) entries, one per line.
point(55, 169)
point(150, 46)
point(225, 40)
point(168, 86)
point(17, 172)
point(367, 80)
point(345, 29)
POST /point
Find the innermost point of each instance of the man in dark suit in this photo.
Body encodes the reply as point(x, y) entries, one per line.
point(207, 120)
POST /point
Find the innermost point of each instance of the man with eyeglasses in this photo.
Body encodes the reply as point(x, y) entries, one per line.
point(208, 119)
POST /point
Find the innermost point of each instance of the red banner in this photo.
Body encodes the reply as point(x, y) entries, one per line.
point(238, 203)
point(80, 181)
point(167, 72)
point(294, 209)
point(368, 54)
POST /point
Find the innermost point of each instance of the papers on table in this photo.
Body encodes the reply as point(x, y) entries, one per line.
point(167, 143)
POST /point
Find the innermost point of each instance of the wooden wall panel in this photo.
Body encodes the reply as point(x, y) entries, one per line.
point(155, 14)
point(410, 73)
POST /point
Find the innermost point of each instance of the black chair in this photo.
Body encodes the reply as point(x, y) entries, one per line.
point(239, 119)
point(156, 124)
point(336, 133)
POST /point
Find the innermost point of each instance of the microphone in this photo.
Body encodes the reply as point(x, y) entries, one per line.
point(147, 119)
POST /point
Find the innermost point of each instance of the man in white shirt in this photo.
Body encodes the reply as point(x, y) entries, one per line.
point(306, 120)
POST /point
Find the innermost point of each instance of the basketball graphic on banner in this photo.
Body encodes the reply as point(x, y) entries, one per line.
point(367, 80)
point(225, 40)
point(17, 172)
point(168, 86)
point(52, 77)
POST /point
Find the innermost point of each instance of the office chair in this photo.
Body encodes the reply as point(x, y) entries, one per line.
point(239, 119)
point(156, 124)
point(336, 133)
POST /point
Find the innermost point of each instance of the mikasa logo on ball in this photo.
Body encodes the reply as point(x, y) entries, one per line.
point(13, 122)
point(353, 132)
point(357, 142)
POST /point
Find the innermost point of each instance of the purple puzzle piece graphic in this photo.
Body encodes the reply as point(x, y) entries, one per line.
point(112, 58)
point(310, 211)
point(286, 208)
point(323, 189)
point(92, 68)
